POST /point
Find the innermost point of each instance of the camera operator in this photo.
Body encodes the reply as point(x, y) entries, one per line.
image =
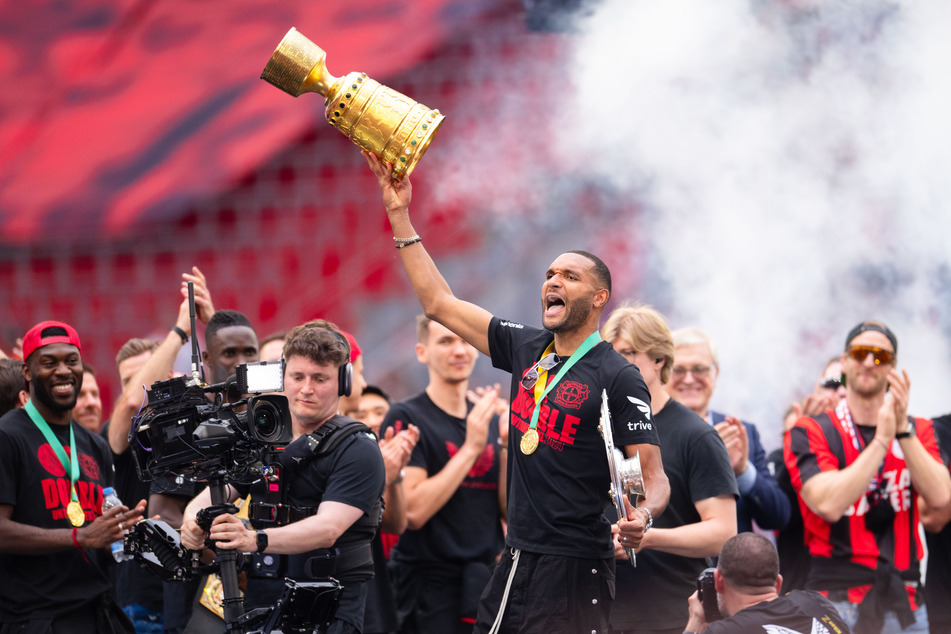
point(747, 583)
point(332, 480)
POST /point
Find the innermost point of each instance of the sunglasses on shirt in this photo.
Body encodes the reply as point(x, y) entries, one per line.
point(546, 363)
point(880, 355)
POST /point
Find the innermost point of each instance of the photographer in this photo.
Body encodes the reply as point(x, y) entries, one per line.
point(332, 481)
point(747, 583)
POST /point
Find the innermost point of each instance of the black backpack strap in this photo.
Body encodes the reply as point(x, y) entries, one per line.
point(332, 433)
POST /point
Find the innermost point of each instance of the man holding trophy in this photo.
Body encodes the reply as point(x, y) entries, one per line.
point(557, 572)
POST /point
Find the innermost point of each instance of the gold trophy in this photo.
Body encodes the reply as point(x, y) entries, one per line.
point(378, 119)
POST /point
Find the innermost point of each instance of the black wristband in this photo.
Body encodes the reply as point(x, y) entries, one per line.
point(181, 333)
point(903, 434)
point(261, 537)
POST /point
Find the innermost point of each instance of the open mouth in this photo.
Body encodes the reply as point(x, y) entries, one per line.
point(553, 305)
point(62, 389)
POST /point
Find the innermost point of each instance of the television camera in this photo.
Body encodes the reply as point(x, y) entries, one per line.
point(182, 435)
point(235, 436)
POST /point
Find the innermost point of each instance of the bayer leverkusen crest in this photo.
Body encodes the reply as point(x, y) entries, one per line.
point(571, 394)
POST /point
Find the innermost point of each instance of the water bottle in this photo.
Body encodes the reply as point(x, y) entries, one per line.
point(109, 500)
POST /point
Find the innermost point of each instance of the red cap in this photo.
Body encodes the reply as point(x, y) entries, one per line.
point(35, 339)
point(355, 350)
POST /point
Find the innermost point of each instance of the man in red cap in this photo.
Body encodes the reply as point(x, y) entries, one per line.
point(53, 533)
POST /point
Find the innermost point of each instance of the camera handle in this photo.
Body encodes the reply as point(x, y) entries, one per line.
point(226, 559)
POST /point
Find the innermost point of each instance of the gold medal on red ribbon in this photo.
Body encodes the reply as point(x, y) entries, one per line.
point(529, 442)
point(75, 513)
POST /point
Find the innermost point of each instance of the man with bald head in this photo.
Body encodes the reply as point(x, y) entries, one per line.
point(861, 471)
point(747, 583)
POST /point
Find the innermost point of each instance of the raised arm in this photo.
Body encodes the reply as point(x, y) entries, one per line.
point(929, 475)
point(831, 492)
point(159, 365)
point(467, 320)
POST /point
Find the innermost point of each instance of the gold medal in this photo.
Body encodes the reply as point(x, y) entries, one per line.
point(75, 513)
point(529, 442)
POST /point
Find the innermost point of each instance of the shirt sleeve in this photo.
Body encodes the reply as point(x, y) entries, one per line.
point(807, 453)
point(711, 473)
point(630, 403)
point(358, 475)
point(924, 429)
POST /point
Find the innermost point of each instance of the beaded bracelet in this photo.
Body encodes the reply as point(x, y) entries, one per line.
point(650, 517)
point(408, 241)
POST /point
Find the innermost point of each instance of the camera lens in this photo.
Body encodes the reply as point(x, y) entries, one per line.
point(266, 421)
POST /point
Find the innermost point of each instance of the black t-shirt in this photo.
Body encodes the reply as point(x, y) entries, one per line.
point(938, 587)
point(800, 611)
point(36, 484)
point(467, 527)
point(698, 468)
point(556, 495)
point(353, 474)
point(134, 584)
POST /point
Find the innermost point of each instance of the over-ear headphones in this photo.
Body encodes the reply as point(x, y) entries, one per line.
point(345, 372)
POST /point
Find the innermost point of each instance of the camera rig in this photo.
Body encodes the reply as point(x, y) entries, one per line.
point(235, 435)
point(182, 435)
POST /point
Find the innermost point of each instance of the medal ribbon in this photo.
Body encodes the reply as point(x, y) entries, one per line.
point(845, 417)
point(541, 390)
point(71, 462)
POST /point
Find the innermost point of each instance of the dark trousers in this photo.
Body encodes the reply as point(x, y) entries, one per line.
point(549, 594)
point(100, 616)
point(437, 597)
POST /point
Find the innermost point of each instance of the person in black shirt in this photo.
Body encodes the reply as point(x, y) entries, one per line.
point(453, 495)
point(557, 572)
point(747, 582)
point(701, 514)
point(335, 496)
point(53, 531)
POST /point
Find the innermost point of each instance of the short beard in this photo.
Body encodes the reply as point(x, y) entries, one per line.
point(879, 388)
point(576, 314)
point(44, 397)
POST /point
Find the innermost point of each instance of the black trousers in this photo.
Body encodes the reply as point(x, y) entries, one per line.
point(102, 615)
point(549, 594)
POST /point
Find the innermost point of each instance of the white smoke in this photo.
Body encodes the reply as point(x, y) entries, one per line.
point(792, 160)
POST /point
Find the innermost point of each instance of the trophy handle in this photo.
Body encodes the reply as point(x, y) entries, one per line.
point(631, 478)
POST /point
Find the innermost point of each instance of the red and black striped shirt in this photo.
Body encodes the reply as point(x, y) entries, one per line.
point(826, 443)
